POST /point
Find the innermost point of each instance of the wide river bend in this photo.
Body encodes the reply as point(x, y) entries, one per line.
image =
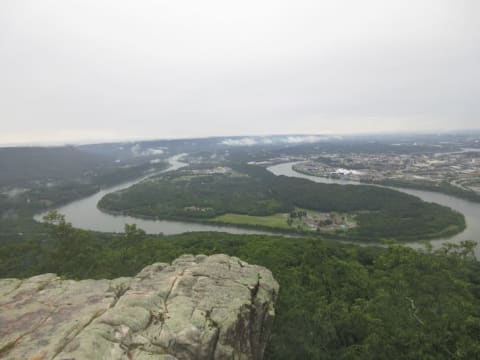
point(470, 210)
point(84, 214)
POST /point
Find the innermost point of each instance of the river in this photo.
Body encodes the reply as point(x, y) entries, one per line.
point(84, 214)
point(469, 209)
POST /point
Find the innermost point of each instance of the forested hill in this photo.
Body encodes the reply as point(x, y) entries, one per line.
point(20, 165)
point(33, 179)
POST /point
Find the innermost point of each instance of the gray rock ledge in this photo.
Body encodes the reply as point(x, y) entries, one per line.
point(198, 307)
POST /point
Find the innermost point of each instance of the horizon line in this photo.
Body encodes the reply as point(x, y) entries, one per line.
point(83, 142)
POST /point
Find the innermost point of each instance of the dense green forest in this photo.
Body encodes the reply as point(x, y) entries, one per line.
point(39, 166)
point(252, 190)
point(22, 165)
point(20, 201)
point(172, 196)
point(336, 301)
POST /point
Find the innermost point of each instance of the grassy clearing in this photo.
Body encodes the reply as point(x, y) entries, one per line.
point(273, 221)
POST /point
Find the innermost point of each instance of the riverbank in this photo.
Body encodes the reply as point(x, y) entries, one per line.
point(442, 188)
point(258, 199)
point(226, 226)
point(84, 214)
point(470, 210)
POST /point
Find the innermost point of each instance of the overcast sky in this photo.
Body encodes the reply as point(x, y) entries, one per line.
point(116, 69)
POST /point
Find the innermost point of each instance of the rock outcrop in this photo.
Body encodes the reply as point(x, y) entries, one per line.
point(198, 307)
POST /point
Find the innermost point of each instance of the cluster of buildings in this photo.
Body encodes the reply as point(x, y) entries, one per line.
point(328, 221)
point(211, 171)
point(461, 169)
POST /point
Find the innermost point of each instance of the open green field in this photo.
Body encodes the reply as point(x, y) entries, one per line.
point(275, 221)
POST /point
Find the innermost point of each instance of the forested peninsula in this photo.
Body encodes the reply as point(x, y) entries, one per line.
point(250, 196)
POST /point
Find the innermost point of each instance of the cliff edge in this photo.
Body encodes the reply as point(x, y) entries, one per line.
point(198, 307)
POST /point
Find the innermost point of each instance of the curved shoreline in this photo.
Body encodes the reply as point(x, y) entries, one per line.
point(445, 232)
point(470, 210)
point(267, 230)
point(264, 229)
point(85, 214)
point(465, 195)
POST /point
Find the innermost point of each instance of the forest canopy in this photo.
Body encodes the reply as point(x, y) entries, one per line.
point(336, 301)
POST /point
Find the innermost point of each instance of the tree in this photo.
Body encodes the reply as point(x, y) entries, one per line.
point(132, 233)
point(59, 228)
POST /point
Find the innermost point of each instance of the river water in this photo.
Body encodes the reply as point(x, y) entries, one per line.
point(469, 209)
point(84, 214)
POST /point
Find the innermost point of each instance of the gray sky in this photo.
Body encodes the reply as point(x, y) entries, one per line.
point(115, 69)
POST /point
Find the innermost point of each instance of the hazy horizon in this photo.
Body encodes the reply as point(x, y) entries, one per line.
point(105, 71)
point(383, 134)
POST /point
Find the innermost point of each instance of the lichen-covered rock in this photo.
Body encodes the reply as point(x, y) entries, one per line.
point(198, 307)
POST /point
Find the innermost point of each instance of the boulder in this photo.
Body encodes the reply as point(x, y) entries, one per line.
point(198, 307)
